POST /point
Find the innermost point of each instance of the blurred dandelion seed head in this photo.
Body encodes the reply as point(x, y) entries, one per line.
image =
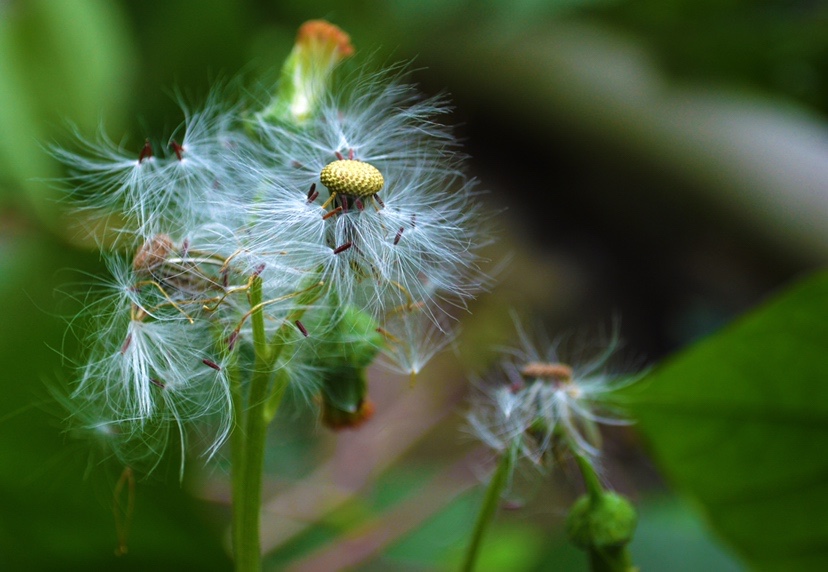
point(547, 409)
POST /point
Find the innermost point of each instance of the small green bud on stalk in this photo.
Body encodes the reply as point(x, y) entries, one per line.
point(347, 351)
point(603, 526)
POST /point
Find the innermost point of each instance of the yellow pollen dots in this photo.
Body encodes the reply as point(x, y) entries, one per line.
point(351, 178)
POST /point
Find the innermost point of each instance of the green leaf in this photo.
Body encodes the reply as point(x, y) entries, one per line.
point(75, 58)
point(59, 60)
point(56, 493)
point(20, 157)
point(740, 421)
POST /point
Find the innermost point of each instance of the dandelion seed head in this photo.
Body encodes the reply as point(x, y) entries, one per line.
point(549, 408)
point(373, 135)
point(345, 203)
point(158, 378)
point(153, 193)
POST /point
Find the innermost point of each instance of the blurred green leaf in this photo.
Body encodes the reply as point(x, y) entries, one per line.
point(75, 55)
point(666, 527)
point(184, 46)
point(740, 421)
point(19, 155)
point(56, 493)
point(59, 60)
point(514, 547)
point(443, 537)
point(778, 45)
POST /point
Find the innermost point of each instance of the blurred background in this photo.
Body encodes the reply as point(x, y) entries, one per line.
point(659, 163)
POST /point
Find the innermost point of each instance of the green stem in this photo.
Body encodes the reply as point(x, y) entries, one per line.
point(280, 383)
point(490, 503)
point(611, 560)
point(237, 443)
point(247, 475)
point(307, 296)
point(594, 488)
point(275, 400)
point(250, 435)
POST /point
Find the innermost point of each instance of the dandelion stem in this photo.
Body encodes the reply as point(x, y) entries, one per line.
point(593, 484)
point(247, 476)
point(267, 387)
point(275, 400)
point(490, 504)
point(281, 380)
point(237, 443)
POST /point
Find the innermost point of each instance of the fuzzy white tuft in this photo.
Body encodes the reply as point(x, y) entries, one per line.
point(549, 415)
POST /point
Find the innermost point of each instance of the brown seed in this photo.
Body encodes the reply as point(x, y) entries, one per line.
point(146, 152)
point(553, 371)
point(334, 212)
point(343, 248)
point(231, 340)
point(179, 150)
point(127, 343)
point(312, 193)
point(152, 253)
point(211, 364)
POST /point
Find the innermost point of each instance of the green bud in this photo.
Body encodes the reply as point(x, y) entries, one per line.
point(608, 523)
point(347, 351)
point(319, 48)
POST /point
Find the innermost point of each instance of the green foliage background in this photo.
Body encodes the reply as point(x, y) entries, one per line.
point(622, 138)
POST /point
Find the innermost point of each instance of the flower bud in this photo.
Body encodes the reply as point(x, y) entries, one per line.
point(349, 348)
point(319, 48)
point(607, 523)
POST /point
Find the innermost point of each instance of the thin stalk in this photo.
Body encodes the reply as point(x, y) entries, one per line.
point(280, 384)
point(250, 435)
point(237, 448)
point(247, 476)
point(594, 488)
point(281, 380)
point(490, 503)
